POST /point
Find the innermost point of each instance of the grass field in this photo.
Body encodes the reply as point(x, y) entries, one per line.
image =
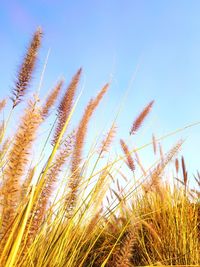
point(58, 211)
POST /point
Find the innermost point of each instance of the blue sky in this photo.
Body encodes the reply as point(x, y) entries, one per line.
point(112, 38)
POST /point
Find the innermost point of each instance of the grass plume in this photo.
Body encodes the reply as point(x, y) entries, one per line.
point(66, 103)
point(51, 99)
point(129, 160)
point(140, 118)
point(18, 159)
point(26, 69)
point(78, 148)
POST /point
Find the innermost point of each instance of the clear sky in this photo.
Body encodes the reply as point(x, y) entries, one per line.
point(159, 38)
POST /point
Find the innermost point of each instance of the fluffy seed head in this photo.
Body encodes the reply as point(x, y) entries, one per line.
point(66, 104)
point(26, 69)
point(51, 99)
point(129, 159)
point(139, 120)
point(17, 161)
point(78, 148)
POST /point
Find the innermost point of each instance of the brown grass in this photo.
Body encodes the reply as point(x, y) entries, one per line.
point(124, 254)
point(78, 148)
point(106, 143)
point(26, 69)
point(66, 104)
point(129, 160)
point(51, 99)
point(17, 161)
point(141, 117)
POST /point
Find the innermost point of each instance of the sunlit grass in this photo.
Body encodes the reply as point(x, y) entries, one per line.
point(95, 210)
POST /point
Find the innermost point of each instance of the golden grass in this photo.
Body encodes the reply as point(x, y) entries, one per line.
point(70, 210)
point(51, 99)
point(140, 118)
point(129, 159)
point(66, 104)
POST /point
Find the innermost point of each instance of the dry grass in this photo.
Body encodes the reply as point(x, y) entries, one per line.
point(57, 211)
point(140, 118)
point(26, 69)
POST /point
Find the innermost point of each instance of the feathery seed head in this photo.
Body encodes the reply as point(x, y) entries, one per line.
point(129, 159)
point(139, 120)
point(78, 148)
point(66, 104)
point(26, 69)
point(17, 162)
point(108, 139)
point(51, 99)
